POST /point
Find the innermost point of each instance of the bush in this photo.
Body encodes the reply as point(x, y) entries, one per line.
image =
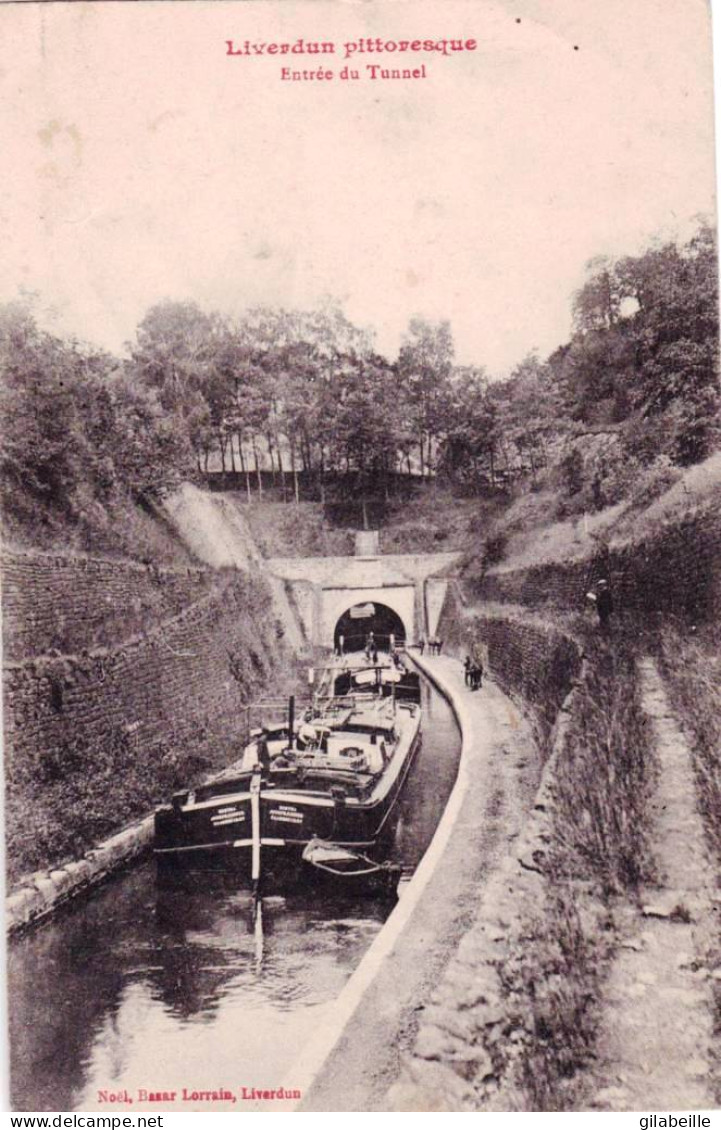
point(604, 778)
point(494, 550)
point(692, 667)
point(558, 975)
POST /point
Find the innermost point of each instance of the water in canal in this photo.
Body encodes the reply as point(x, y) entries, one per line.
point(136, 988)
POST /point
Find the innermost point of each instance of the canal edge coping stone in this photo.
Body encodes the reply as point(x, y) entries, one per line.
point(42, 893)
point(47, 890)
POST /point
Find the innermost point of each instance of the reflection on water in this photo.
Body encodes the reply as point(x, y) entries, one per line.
point(142, 988)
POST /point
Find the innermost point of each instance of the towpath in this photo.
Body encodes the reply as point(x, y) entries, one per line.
point(377, 1017)
point(655, 1047)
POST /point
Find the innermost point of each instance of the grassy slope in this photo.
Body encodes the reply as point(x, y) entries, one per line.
point(431, 520)
point(434, 520)
point(284, 529)
point(533, 536)
point(127, 531)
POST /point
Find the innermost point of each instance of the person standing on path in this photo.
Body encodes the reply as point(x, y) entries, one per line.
point(604, 603)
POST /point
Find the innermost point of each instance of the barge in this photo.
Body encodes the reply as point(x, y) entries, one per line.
point(319, 792)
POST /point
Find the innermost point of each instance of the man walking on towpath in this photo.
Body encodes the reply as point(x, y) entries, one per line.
point(604, 603)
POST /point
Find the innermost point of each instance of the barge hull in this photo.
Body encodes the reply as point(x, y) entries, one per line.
point(216, 836)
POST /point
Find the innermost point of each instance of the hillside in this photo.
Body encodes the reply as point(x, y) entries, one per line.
point(292, 530)
point(125, 529)
point(527, 532)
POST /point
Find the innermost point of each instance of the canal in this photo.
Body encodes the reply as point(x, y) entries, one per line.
point(139, 989)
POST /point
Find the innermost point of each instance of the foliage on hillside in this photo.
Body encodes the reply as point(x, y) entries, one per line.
point(643, 367)
point(295, 531)
point(85, 449)
point(534, 528)
point(434, 519)
point(631, 399)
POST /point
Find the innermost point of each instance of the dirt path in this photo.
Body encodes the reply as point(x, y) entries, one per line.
point(655, 1046)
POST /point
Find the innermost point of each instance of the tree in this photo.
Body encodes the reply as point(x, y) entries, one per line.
point(529, 406)
point(645, 350)
point(175, 344)
point(597, 305)
point(43, 445)
point(424, 367)
point(363, 432)
point(80, 433)
point(470, 429)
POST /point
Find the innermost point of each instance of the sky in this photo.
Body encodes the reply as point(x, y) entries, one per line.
point(148, 164)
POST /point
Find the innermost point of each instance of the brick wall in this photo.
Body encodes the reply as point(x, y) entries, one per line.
point(527, 658)
point(56, 602)
point(677, 573)
point(94, 740)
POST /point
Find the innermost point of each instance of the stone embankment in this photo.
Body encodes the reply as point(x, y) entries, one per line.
point(121, 682)
point(672, 573)
point(530, 658)
point(471, 1030)
point(57, 603)
point(163, 688)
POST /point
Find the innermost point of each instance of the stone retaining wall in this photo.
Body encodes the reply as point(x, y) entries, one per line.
point(68, 604)
point(527, 657)
point(675, 573)
point(94, 740)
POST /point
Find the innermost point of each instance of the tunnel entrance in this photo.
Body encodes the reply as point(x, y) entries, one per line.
point(357, 622)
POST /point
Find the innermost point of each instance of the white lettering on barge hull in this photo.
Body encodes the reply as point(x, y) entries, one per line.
point(231, 818)
point(287, 817)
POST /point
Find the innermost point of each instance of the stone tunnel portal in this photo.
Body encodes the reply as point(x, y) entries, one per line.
point(357, 622)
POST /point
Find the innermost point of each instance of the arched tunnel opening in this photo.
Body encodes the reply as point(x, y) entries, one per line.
point(356, 624)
